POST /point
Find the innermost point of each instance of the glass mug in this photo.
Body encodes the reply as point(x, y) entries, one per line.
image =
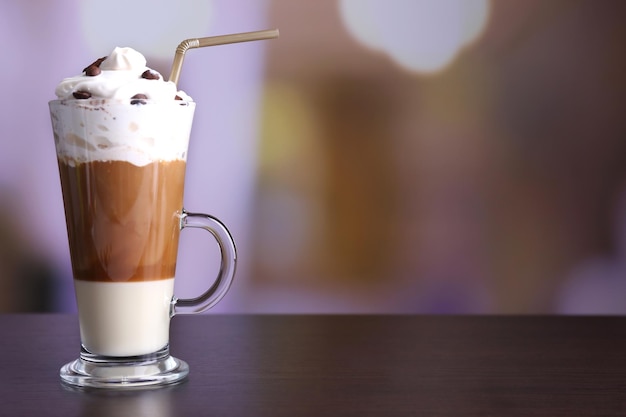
point(122, 169)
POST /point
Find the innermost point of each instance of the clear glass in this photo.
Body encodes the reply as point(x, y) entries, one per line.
point(122, 169)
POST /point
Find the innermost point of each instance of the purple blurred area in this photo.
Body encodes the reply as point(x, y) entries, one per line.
point(350, 183)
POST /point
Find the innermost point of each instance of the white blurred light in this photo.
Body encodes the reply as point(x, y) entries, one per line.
point(155, 28)
point(360, 21)
point(476, 14)
point(421, 35)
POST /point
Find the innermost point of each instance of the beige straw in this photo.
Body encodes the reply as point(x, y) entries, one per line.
point(212, 41)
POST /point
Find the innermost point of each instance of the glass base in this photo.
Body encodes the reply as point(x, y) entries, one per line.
point(96, 371)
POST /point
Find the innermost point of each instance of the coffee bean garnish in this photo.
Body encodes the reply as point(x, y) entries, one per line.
point(138, 99)
point(94, 68)
point(150, 75)
point(81, 95)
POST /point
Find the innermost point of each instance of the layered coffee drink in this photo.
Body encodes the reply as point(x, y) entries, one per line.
point(123, 244)
point(121, 134)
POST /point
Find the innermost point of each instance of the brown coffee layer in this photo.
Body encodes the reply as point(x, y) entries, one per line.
point(123, 220)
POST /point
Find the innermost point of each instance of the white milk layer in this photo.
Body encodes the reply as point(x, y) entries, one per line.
point(115, 130)
point(124, 318)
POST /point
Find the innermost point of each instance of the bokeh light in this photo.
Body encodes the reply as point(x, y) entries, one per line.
point(424, 36)
point(154, 30)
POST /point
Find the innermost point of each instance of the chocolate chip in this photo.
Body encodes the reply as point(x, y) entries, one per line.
point(81, 95)
point(150, 75)
point(178, 97)
point(138, 99)
point(94, 68)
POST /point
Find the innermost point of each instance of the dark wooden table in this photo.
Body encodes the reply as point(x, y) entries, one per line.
point(339, 366)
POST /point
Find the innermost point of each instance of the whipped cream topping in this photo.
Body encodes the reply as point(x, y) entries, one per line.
point(122, 75)
point(118, 109)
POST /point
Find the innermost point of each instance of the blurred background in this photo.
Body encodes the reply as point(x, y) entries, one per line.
point(406, 156)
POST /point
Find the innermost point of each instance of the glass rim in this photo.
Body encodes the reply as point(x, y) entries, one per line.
point(119, 101)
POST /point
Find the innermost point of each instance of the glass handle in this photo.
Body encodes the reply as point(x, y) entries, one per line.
point(227, 267)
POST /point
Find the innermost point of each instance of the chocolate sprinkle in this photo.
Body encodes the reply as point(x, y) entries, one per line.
point(150, 75)
point(138, 99)
point(81, 95)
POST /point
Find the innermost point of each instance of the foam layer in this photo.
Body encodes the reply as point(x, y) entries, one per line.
point(115, 130)
point(124, 319)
